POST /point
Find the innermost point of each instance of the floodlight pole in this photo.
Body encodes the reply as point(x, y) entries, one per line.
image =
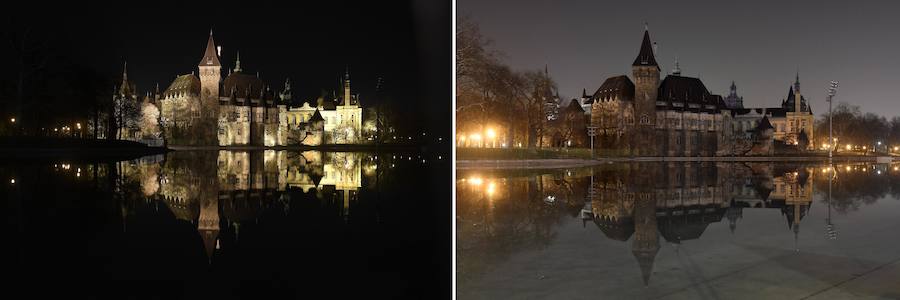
point(832, 88)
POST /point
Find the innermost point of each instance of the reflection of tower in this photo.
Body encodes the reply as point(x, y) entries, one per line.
point(209, 226)
point(646, 241)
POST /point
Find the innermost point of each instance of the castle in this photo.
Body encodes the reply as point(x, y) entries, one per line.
point(240, 109)
point(678, 116)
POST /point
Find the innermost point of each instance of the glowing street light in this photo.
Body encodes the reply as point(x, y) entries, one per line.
point(491, 135)
point(12, 120)
point(476, 138)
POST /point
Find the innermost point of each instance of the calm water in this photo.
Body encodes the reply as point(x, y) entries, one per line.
point(680, 230)
point(228, 224)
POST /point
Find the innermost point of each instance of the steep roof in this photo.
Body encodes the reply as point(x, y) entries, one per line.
point(317, 116)
point(645, 56)
point(788, 103)
point(574, 107)
point(764, 124)
point(210, 57)
point(615, 87)
point(244, 85)
point(681, 93)
point(186, 84)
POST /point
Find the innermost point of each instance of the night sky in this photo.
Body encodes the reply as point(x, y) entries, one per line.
point(758, 44)
point(407, 43)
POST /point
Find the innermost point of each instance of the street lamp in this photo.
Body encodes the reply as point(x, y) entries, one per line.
point(491, 135)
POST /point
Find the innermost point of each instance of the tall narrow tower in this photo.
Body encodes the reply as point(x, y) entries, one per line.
point(645, 71)
point(347, 87)
point(209, 75)
point(797, 98)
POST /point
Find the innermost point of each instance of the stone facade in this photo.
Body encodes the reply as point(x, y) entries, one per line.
point(677, 116)
point(241, 110)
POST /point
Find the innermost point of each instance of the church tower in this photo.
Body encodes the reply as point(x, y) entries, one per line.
point(209, 75)
point(645, 71)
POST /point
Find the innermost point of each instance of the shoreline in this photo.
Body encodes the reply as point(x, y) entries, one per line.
point(573, 163)
point(332, 148)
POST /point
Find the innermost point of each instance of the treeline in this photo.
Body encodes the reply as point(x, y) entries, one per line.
point(490, 94)
point(42, 85)
point(854, 127)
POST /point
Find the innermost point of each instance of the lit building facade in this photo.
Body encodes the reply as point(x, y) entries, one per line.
point(242, 110)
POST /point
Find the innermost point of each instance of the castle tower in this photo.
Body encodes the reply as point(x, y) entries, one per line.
point(210, 74)
point(347, 88)
point(645, 71)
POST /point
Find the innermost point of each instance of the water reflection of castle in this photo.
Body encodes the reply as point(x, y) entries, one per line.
point(679, 201)
point(239, 186)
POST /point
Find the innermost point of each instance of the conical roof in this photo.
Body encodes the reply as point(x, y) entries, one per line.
point(645, 56)
point(210, 57)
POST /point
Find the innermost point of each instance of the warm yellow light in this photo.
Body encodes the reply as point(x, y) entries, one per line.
point(848, 168)
point(895, 168)
point(462, 138)
point(896, 148)
point(490, 133)
point(476, 137)
point(491, 188)
point(12, 181)
point(12, 120)
point(475, 181)
point(848, 146)
point(864, 147)
point(78, 125)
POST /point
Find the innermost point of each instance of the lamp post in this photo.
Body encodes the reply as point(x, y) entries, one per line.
point(592, 131)
point(832, 89)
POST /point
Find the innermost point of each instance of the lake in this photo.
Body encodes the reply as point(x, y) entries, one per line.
point(231, 224)
point(680, 230)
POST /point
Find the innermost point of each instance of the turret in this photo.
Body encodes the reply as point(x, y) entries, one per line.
point(347, 87)
point(210, 71)
point(646, 83)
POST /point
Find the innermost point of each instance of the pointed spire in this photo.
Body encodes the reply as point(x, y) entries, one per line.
point(210, 57)
point(583, 93)
point(237, 62)
point(125, 72)
point(646, 56)
point(797, 82)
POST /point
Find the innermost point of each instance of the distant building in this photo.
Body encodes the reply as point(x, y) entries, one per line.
point(792, 122)
point(733, 101)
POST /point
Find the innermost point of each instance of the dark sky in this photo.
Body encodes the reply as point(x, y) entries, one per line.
point(758, 44)
point(407, 43)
